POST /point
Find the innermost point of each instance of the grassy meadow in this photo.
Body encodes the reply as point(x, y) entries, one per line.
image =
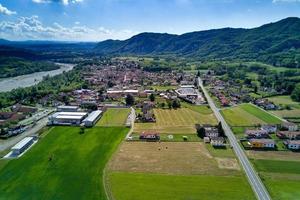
point(137, 186)
point(114, 117)
point(63, 165)
point(248, 115)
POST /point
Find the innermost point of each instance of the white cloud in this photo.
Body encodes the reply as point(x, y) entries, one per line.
point(25, 28)
point(285, 1)
point(65, 2)
point(5, 11)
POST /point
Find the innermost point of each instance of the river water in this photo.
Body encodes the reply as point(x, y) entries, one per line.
point(27, 80)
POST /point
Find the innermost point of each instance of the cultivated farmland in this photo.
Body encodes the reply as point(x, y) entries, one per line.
point(181, 120)
point(63, 165)
point(114, 117)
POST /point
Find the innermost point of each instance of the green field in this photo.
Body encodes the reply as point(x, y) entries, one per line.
point(248, 115)
point(181, 120)
point(137, 186)
point(277, 166)
point(114, 117)
point(282, 178)
point(74, 171)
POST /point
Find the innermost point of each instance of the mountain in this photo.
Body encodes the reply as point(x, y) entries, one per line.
point(276, 43)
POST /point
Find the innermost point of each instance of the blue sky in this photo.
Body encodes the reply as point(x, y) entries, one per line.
point(96, 20)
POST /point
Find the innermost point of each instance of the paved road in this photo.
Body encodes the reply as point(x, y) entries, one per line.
point(5, 144)
point(254, 180)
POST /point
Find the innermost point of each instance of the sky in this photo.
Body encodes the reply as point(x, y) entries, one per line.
point(97, 20)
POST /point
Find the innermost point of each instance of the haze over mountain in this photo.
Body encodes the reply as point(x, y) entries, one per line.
point(276, 43)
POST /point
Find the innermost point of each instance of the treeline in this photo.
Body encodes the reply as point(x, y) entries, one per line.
point(64, 82)
point(10, 66)
point(281, 81)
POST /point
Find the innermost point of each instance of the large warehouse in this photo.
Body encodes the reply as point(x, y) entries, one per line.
point(67, 118)
point(92, 118)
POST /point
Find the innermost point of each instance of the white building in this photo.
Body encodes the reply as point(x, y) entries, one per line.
point(269, 128)
point(92, 118)
point(67, 118)
point(67, 108)
point(21, 146)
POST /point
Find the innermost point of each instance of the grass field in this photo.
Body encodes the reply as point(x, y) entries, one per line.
point(114, 117)
point(181, 120)
point(248, 115)
point(136, 186)
point(281, 177)
point(74, 172)
point(277, 166)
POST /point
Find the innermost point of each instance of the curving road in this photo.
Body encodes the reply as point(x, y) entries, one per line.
point(254, 180)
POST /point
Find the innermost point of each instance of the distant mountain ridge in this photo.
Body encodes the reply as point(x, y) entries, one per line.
point(276, 43)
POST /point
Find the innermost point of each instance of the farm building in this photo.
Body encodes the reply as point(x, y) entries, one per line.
point(288, 134)
point(149, 136)
point(269, 128)
point(21, 146)
point(262, 143)
point(92, 118)
point(293, 144)
point(211, 133)
point(67, 108)
point(290, 126)
point(256, 134)
point(67, 118)
point(217, 141)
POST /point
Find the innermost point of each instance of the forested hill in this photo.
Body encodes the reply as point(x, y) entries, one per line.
point(275, 43)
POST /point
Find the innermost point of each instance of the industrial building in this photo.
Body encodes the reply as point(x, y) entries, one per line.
point(92, 118)
point(67, 108)
point(21, 146)
point(67, 118)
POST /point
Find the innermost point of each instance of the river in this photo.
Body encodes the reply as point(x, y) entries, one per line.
point(7, 84)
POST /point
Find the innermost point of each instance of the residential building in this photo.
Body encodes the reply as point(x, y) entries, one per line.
point(289, 135)
point(256, 133)
point(269, 128)
point(293, 144)
point(262, 143)
point(290, 126)
point(217, 141)
point(149, 136)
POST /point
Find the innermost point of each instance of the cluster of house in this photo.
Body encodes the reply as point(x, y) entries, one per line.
point(147, 114)
point(260, 138)
point(71, 115)
point(265, 104)
point(9, 120)
point(228, 93)
point(213, 137)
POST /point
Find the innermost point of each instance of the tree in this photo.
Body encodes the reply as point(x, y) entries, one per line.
point(200, 131)
point(296, 93)
point(221, 130)
point(198, 73)
point(169, 104)
point(129, 100)
point(82, 129)
point(152, 97)
point(176, 104)
point(162, 105)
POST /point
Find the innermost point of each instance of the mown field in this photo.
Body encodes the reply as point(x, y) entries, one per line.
point(281, 177)
point(248, 115)
point(137, 186)
point(63, 165)
point(114, 117)
point(181, 120)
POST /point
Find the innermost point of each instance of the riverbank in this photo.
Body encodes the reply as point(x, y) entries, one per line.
point(8, 84)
